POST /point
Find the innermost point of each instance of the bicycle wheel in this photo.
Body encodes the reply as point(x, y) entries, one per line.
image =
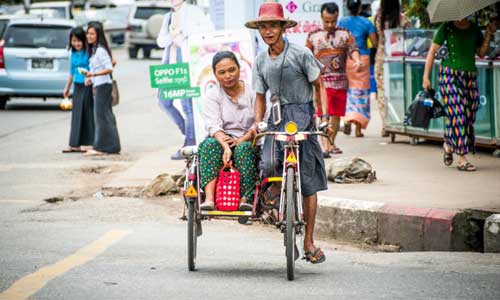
point(192, 236)
point(290, 223)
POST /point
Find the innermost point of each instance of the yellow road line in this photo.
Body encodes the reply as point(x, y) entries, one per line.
point(30, 284)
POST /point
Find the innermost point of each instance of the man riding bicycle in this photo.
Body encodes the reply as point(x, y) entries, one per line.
point(292, 74)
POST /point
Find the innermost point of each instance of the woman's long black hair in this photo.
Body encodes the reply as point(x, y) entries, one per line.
point(101, 38)
point(353, 6)
point(78, 33)
point(390, 12)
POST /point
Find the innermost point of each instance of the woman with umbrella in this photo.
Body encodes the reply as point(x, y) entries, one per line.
point(458, 83)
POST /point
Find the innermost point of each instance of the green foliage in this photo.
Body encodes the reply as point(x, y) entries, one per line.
point(418, 9)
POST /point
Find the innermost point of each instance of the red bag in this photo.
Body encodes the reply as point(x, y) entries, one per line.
point(228, 189)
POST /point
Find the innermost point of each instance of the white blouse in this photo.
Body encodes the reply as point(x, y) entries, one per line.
point(98, 62)
point(221, 114)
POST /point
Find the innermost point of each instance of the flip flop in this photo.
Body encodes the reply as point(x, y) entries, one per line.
point(467, 167)
point(336, 151)
point(72, 150)
point(207, 205)
point(315, 257)
point(447, 157)
point(245, 207)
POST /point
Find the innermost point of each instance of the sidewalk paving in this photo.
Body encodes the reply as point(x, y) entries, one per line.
point(416, 202)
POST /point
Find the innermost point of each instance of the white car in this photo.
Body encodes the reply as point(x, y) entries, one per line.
point(144, 24)
point(56, 10)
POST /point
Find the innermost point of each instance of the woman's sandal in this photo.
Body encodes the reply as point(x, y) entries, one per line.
point(467, 167)
point(73, 150)
point(315, 257)
point(244, 206)
point(336, 151)
point(447, 156)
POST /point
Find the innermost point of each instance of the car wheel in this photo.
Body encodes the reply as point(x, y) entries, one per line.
point(3, 102)
point(132, 52)
point(146, 52)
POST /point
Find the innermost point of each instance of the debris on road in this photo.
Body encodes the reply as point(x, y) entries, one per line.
point(163, 184)
point(350, 170)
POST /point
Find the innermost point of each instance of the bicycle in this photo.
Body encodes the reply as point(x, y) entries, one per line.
point(290, 217)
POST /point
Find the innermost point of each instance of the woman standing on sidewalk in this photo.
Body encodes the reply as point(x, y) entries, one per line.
point(106, 139)
point(358, 94)
point(389, 16)
point(82, 114)
point(458, 85)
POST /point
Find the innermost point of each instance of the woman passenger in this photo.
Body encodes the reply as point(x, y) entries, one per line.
point(229, 121)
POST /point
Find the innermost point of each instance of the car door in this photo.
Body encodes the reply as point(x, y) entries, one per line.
point(37, 58)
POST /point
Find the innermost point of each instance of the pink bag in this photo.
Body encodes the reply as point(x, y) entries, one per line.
point(228, 189)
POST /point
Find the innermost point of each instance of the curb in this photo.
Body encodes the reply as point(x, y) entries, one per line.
point(407, 228)
point(411, 228)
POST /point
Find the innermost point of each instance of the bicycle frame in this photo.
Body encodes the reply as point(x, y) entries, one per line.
point(291, 157)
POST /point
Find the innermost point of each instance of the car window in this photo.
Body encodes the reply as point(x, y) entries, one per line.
point(52, 12)
point(35, 36)
point(145, 13)
point(3, 26)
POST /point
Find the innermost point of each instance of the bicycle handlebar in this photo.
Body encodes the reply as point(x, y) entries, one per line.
point(259, 135)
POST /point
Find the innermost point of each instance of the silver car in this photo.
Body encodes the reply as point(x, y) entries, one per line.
point(145, 20)
point(34, 59)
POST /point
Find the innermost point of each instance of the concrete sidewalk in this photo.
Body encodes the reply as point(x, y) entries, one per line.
point(416, 203)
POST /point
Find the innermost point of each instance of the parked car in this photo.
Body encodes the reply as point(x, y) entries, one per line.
point(58, 10)
point(34, 59)
point(143, 26)
point(5, 19)
point(114, 20)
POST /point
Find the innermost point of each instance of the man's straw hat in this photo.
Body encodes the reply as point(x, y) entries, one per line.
point(270, 11)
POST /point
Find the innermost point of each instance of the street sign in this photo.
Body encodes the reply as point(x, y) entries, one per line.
point(172, 76)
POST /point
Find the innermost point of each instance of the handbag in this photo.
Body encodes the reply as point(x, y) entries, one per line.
point(423, 108)
point(115, 94)
point(443, 51)
point(227, 195)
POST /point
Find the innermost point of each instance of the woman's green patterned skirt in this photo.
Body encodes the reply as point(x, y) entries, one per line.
point(244, 160)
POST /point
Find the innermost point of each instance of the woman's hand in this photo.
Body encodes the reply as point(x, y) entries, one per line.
point(426, 83)
point(66, 92)
point(88, 82)
point(226, 156)
point(87, 74)
point(492, 28)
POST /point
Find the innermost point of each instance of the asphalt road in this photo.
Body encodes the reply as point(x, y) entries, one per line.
point(123, 248)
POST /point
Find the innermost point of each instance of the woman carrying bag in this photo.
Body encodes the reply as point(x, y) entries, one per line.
point(458, 85)
point(107, 140)
point(229, 118)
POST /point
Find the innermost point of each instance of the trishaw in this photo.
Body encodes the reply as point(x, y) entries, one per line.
point(287, 215)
